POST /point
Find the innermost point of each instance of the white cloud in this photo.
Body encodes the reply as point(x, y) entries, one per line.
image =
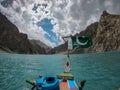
point(68, 16)
point(92, 19)
point(108, 3)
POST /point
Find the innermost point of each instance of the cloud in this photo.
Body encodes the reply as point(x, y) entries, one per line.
point(74, 16)
point(21, 14)
point(67, 17)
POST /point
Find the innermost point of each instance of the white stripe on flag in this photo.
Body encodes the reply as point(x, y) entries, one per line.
point(70, 46)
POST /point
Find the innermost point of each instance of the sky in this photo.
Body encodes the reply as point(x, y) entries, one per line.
point(50, 20)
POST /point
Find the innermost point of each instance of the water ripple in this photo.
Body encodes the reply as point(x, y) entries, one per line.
point(101, 70)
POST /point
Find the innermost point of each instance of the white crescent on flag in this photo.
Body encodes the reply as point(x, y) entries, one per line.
point(81, 43)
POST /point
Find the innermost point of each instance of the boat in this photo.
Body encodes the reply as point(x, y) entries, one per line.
point(62, 81)
point(67, 81)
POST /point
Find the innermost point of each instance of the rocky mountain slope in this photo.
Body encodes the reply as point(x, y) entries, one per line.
point(11, 40)
point(41, 44)
point(108, 33)
point(105, 35)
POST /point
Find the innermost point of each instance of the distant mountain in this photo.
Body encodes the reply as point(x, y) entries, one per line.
point(60, 49)
point(41, 44)
point(105, 35)
point(11, 40)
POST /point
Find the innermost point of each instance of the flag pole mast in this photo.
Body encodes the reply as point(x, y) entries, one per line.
point(67, 65)
point(68, 53)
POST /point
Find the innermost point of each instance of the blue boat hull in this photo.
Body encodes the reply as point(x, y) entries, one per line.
point(47, 83)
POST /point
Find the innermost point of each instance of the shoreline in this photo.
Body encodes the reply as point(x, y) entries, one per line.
point(61, 53)
point(3, 51)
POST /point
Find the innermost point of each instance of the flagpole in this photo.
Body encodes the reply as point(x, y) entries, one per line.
point(67, 65)
point(68, 54)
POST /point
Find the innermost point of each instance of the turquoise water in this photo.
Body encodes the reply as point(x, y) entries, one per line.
point(100, 70)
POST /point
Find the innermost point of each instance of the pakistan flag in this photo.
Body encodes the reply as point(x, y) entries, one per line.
point(79, 42)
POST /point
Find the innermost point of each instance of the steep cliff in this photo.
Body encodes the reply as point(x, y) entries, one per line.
point(108, 33)
point(105, 35)
point(14, 41)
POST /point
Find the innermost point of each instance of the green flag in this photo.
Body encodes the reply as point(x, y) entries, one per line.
point(79, 42)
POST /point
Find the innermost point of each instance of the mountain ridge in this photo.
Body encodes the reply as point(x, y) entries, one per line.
point(12, 41)
point(105, 35)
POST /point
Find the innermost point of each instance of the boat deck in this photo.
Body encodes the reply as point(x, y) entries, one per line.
point(64, 86)
point(68, 85)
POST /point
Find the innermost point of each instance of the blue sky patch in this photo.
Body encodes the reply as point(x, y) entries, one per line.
point(47, 26)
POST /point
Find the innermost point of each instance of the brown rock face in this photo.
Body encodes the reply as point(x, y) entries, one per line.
point(108, 33)
point(12, 40)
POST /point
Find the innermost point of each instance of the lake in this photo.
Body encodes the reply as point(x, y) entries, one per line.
point(100, 70)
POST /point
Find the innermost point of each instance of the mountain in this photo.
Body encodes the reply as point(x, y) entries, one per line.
point(41, 44)
point(11, 40)
point(108, 33)
point(105, 35)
